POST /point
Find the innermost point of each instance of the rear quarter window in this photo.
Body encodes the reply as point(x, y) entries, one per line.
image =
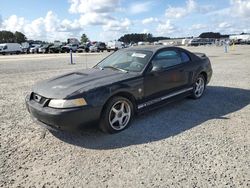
point(185, 57)
point(167, 58)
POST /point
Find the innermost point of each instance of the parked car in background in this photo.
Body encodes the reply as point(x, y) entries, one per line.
point(81, 48)
point(55, 49)
point(73, 41)
point(128, 81)
point(114, 45)
point(94, 48)
point(44, 48)
point(101, 46)
point(25, 47)
point(132, 44)
point(69, 47)
point(10, 48)
point(200, 42)
point(34, 48)
point(98, 47)
point(158, 43)
point(87, 46)
point(141, 43)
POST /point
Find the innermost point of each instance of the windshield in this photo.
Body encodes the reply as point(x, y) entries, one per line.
point(3, 47)
point(129, 60)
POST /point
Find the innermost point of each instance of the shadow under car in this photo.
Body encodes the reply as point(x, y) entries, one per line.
point(164, 122)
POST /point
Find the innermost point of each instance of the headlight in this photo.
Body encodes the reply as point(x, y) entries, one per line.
point(61, 103)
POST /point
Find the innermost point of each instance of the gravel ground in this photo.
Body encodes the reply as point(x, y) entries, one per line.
point(190, 143)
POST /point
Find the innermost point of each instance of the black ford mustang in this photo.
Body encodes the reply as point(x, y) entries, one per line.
point(126, 82)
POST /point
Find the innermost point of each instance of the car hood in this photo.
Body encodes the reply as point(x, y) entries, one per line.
point(64, 86)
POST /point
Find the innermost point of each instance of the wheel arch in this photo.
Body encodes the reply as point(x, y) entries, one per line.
point(124, 94)
point(197, 73)
point(203, 73)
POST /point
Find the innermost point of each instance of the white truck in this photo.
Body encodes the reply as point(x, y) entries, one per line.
point(114, 45)
point(10, 48)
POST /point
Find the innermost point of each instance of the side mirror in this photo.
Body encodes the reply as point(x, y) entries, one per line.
point(156, 67)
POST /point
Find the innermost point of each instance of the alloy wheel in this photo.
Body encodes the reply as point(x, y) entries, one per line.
point(119, 115)
point(199, 87)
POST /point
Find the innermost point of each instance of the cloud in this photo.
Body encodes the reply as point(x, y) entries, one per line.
point(191, 7)
point(233, 18)
point(51, 22)
point(115, 28)
point(145, 31)
point(35, 29)
point(149, 20)
point(68, 25)
point(166, 28)
point(241, 8)
point(237, 9)
point(91, 13)
point(46, 28)
point(89, 6)
point(179, 12)
point(198, 26)
point(224, 25)
point(13, 23)
point(137, 8)
point(121, 26)
point(95, 19)
point(1, 20)
point(95, 12)
point(99, 13)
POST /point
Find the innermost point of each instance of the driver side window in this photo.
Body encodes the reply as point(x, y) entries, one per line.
point(166, 58)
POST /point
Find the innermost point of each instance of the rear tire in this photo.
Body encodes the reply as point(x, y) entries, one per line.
point(199, 87)
point(117, 115)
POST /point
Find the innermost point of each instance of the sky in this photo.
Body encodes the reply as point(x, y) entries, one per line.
point(104, 20)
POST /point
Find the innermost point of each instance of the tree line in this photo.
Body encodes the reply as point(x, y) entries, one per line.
point(18, 37)
point(9, 37)
point(148, 37)
point(212, 35)
point(140, 37)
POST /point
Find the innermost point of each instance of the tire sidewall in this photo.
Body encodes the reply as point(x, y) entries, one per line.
point(104, 121)
point(194, 87)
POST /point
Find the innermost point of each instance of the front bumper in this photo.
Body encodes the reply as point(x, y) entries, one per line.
point(62, 119)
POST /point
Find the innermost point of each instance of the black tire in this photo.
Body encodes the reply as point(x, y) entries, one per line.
point(195, 93)
point(105, 121)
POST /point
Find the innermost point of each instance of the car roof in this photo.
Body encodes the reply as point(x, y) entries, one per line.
point(152, 48)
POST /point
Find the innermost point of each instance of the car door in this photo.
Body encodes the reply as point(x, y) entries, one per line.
point(168, 73)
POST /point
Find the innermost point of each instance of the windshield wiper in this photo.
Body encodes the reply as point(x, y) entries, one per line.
point(111, 67)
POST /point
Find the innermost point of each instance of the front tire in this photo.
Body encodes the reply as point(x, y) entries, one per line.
point(199, 87)
point(117, 115)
